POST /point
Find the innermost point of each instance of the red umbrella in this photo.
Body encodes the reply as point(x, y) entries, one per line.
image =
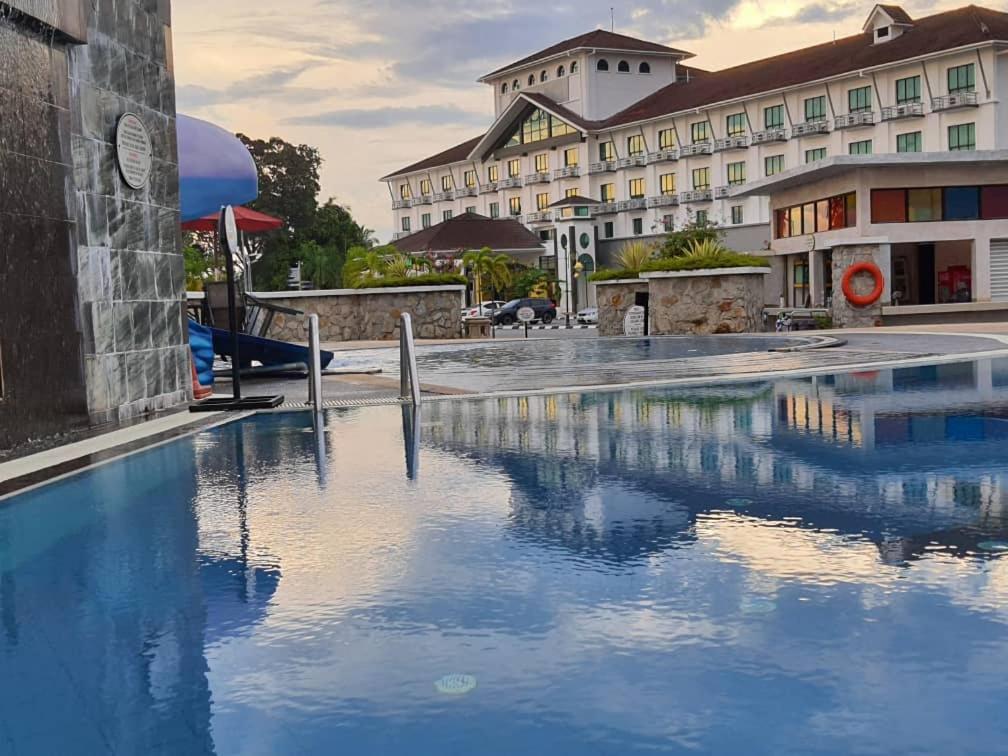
point(249, 221)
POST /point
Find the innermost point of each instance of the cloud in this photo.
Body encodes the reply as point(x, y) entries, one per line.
point(271, 85)
point(387, 117)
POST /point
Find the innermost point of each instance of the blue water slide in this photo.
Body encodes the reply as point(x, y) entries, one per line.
point(269, 352)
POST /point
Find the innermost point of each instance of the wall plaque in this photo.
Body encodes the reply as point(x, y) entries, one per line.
point(133, 151)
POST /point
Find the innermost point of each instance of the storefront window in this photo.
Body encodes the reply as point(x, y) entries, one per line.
point(822, 215)
point(924, 205)
point(836, 212)
point(994, 202)
point(962, 203)
point(888, 206)
point(800, 274)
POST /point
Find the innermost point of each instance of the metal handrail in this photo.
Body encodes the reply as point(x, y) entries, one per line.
point(315, 364)
point(409, 377)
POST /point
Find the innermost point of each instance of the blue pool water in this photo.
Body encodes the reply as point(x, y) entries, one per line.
point(806, 566)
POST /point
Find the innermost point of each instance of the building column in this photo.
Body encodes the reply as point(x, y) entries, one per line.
point(980, 264)
point(815, 278)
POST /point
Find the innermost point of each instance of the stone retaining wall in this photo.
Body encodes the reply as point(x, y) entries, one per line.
point(614, 299)
point(369, 314)
point(846, 315)
point(726, 300)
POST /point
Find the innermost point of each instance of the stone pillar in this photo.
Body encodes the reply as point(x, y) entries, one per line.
point(614, 299)
point(846, 315)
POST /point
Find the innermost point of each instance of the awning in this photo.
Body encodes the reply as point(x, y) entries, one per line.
point(249, 221)
point(215, 169)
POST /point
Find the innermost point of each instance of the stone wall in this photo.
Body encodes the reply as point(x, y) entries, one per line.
point(846, 315)
point(614, 299)
point(370, 314)
point(706, 302)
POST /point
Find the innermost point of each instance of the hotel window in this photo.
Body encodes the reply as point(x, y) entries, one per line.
point(962, 137)
point(571, 193)
point(531, 79)
point(635, 145)
point(560, 128)
point(574, 67)
point(961, 79)
point(543, 76)
point(815, 109)
point(701, 218)
point(623, 67)
point(773, 117)
point(425, 187)
point(736, 124)
point(495, 209)
point(951, 203)
point(864, 147)
point(908, 90)
point(607, 151)
point(514, 205)
point(542, 163)
point(469, 178)
point(607, 192)
point(404, 191)
point(602, 65)
point(800, 280)
point(446, 183)
point(638, 226)
point(773, 164)
point(514, 168)
point(542, 201)
point(425, 220)
point(827, 214)
point(667, 184)
point(470, 210)
point(561, 72)
point(699, 132)
point(637, 188)
point(493, 173)
point(571, 157)
point(859, 100)
point(701, 179)
point(819, 153)
point(908, 142)
point(736, 215)
point(666, 139)
point(668, 221)
point(406, 224)
point(609, 230)
point(644, 68)
point(446, 215)
point(736, 173)
point(536, 127)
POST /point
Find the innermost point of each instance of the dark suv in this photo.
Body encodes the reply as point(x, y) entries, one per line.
point(508, 314)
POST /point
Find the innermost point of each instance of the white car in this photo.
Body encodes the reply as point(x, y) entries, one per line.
point(588, 316)
point(485, 310)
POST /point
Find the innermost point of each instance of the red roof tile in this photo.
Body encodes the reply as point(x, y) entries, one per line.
point(470, 231)
point(896, 13)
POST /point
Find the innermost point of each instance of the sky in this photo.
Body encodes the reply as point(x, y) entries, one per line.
point(379, 84)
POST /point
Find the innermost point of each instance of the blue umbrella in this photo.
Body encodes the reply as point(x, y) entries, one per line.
point(215, 169)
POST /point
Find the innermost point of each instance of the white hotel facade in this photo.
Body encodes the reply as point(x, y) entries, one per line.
point(638, 143)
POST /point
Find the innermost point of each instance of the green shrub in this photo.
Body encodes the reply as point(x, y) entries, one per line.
point(612, 274)
point(634, 255)
point(708, 262)
point(426, 279)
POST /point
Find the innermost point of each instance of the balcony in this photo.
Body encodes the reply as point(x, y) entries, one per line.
point(731, 143)
point(466, 191)
point(663, 200)
point(571, 171)
point(510, 183)
point(544, 216)
point(606, 208)
point(489, 186)
point(423, 199)
point(906, 110)
point(724, 192)
point(633, 161)
point(853, 120)
point(537, 178)
point(953, 101)
point(700, 148)
point(663, 156)
point(400, 234)
point(776, 134)
point(444, 196)
point(399, 204)
point(637, 203)
point(697, 195)
point(809, 128)
point(606, 166)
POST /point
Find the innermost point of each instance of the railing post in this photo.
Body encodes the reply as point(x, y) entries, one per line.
point(409, 379)
point(315, 364)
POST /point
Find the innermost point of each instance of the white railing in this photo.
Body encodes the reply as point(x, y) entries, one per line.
point(956, 100)
point(850, 120)
point(424, 199)
point(602, 167)
point(444, 196)
point(571, 171)
point(400, 234)
point(663, 200)
point(809, 127)
point(906, 110)
point(637, 203)
point(663, 156)
point(699, 148)
point(489, 186)
point(606, 208)
point(466, 191)
point(723, 192)
point(510, 183)
point(399, 204)
point(697, 195)
point(539, 217)
point(632, 161)
point(777, 134)
point(731, 143)
point(537, 178)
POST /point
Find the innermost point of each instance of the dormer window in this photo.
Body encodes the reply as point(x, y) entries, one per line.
point(887, 22)
point(881, 33)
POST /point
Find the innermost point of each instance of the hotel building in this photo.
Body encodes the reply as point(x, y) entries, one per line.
point(603, 138)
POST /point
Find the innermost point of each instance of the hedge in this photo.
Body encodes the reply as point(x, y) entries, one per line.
point(673, 264)
point(427, 279)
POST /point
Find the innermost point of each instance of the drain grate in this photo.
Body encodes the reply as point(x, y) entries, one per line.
point(350, 401)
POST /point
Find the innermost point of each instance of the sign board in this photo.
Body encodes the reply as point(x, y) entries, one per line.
point(633, 323)
point(229, 230)
point(133, 151)
point(526, 314)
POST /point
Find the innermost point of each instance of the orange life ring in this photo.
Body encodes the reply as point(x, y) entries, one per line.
point(863, 300)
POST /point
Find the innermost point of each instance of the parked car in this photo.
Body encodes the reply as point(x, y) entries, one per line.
point(588, 316)
point(545, 311)
point(485, 310)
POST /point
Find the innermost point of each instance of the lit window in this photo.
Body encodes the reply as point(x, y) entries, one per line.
point(560, 128)
point(425, 220)
point(864, 147)
point(666, 139)
point(542, 162)
point(961, 78)
point(637, 188)
point(773, 117)
point(404, 191)
point(699, 132)
point(811, 156)
point(603, 65)
point(635, 145)
point(736, 124)
point(514, 205)
point(638, 226)
point(736, 173)
point(962, 137)
point(701, 179)
point(446, 215)
point(571, 193)
point(815, 109)
point(607, 192)
point(493, 174)
point(536, 127)
point(736, 215)
point(470, 178)
point(667, 183)
point(514, 168)
point(542, 201)
point(446, 183)
point(644, 68)
point(406, 224)
point(623, 67)
point(607, 151)
point(570, 157)
point(425, 187)
point(908, 90)
point(908, 142)
point(773, 164)
point(859, 100)
point(495, 209)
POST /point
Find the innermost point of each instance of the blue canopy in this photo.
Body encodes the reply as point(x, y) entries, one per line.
point(215, 169)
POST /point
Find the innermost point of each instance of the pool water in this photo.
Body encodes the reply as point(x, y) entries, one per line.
point(804, 566)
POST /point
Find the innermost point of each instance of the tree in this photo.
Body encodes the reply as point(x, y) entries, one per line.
point(323, 266)
point(288, 180)
point(678, 243)
point(530, 281)
point(363, 264)
point(493, 271)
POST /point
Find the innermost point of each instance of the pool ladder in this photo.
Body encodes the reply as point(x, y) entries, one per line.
point(409, 378)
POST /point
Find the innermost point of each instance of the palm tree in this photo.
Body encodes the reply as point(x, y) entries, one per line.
point(487, 268)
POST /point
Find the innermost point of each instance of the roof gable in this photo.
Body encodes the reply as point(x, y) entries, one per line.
point(470, 231)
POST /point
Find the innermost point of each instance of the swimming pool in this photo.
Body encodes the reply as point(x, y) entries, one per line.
point(795, 566)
